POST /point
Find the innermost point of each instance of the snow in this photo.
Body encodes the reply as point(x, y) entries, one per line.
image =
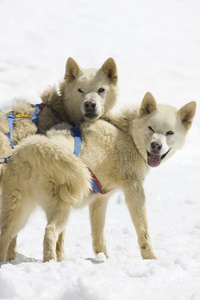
point(156, 45)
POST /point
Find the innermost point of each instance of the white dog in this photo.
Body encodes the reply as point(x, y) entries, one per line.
point(44, 171)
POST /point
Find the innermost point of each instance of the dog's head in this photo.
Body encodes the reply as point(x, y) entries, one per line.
point(160, 130)
point(89, 93)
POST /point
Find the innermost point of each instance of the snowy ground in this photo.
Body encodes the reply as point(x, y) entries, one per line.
point(156, 45)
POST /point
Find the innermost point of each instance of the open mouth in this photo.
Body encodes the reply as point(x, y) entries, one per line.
point(155, 159)
point(90, 116)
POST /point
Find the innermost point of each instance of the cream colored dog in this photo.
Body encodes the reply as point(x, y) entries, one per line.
point(84, 94)
point(44, 171)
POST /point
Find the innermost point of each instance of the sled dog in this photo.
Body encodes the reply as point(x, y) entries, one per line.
point(44, 171)
point(83, 94)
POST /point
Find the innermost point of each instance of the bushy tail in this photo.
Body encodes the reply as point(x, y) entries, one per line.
point(70, 175)
point(77, 181)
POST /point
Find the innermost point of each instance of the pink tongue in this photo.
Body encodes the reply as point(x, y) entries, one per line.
point(154, 160)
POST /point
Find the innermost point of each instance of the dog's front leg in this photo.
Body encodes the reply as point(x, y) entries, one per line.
point(135, 200)
point(97, 220)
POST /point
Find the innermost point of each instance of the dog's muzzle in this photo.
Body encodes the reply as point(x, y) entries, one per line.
point(155, 159)
point(90, 109)
point(90, 116)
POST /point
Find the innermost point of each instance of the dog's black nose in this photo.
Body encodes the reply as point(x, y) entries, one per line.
point(155, 146)
point(90, 105)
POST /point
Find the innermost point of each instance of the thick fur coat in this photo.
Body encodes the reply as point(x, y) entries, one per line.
point(43, 171)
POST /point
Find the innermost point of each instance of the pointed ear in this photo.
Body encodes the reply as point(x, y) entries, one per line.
point(72, 70)
point(110, 69)
point(148, 105)
point(187, 113)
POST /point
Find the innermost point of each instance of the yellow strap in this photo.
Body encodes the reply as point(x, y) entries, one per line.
point(22, 115)
point(19, 115)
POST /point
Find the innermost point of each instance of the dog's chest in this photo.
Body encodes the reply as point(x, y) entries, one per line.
point(111, 155)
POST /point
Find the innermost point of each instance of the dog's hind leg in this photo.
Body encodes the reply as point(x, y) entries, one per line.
point(135, 200)
point(14, 214)
point(57, 218)
point(12, 250)
point(60, 251)
point(5, 239)
point(97, 220)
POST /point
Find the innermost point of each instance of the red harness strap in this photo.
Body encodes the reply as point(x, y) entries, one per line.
point(96, 185)
point(41, 106)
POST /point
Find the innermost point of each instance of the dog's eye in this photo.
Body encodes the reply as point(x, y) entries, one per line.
point(80, 91)
point(150, 128)
point(170, 132)
point(101, 90)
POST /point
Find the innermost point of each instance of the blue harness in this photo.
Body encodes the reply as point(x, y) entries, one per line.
point(35, 118)
point(75, 131)
point(35, 115)
point(10, 116)
point(38, 110)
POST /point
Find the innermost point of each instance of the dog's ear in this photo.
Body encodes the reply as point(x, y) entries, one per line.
point(72, 70)
point(110, 69)
point(187, 113)
point(148, 105)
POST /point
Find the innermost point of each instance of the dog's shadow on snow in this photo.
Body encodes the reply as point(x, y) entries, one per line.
point(95, 261)
point(20, 259)
point(25, 259)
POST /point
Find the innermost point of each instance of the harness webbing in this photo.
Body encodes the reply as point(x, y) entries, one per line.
point(77, 139)
point(96, 185)
point(38, 109)
point(10, 116)
point(35, 115)
point(5, 159)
